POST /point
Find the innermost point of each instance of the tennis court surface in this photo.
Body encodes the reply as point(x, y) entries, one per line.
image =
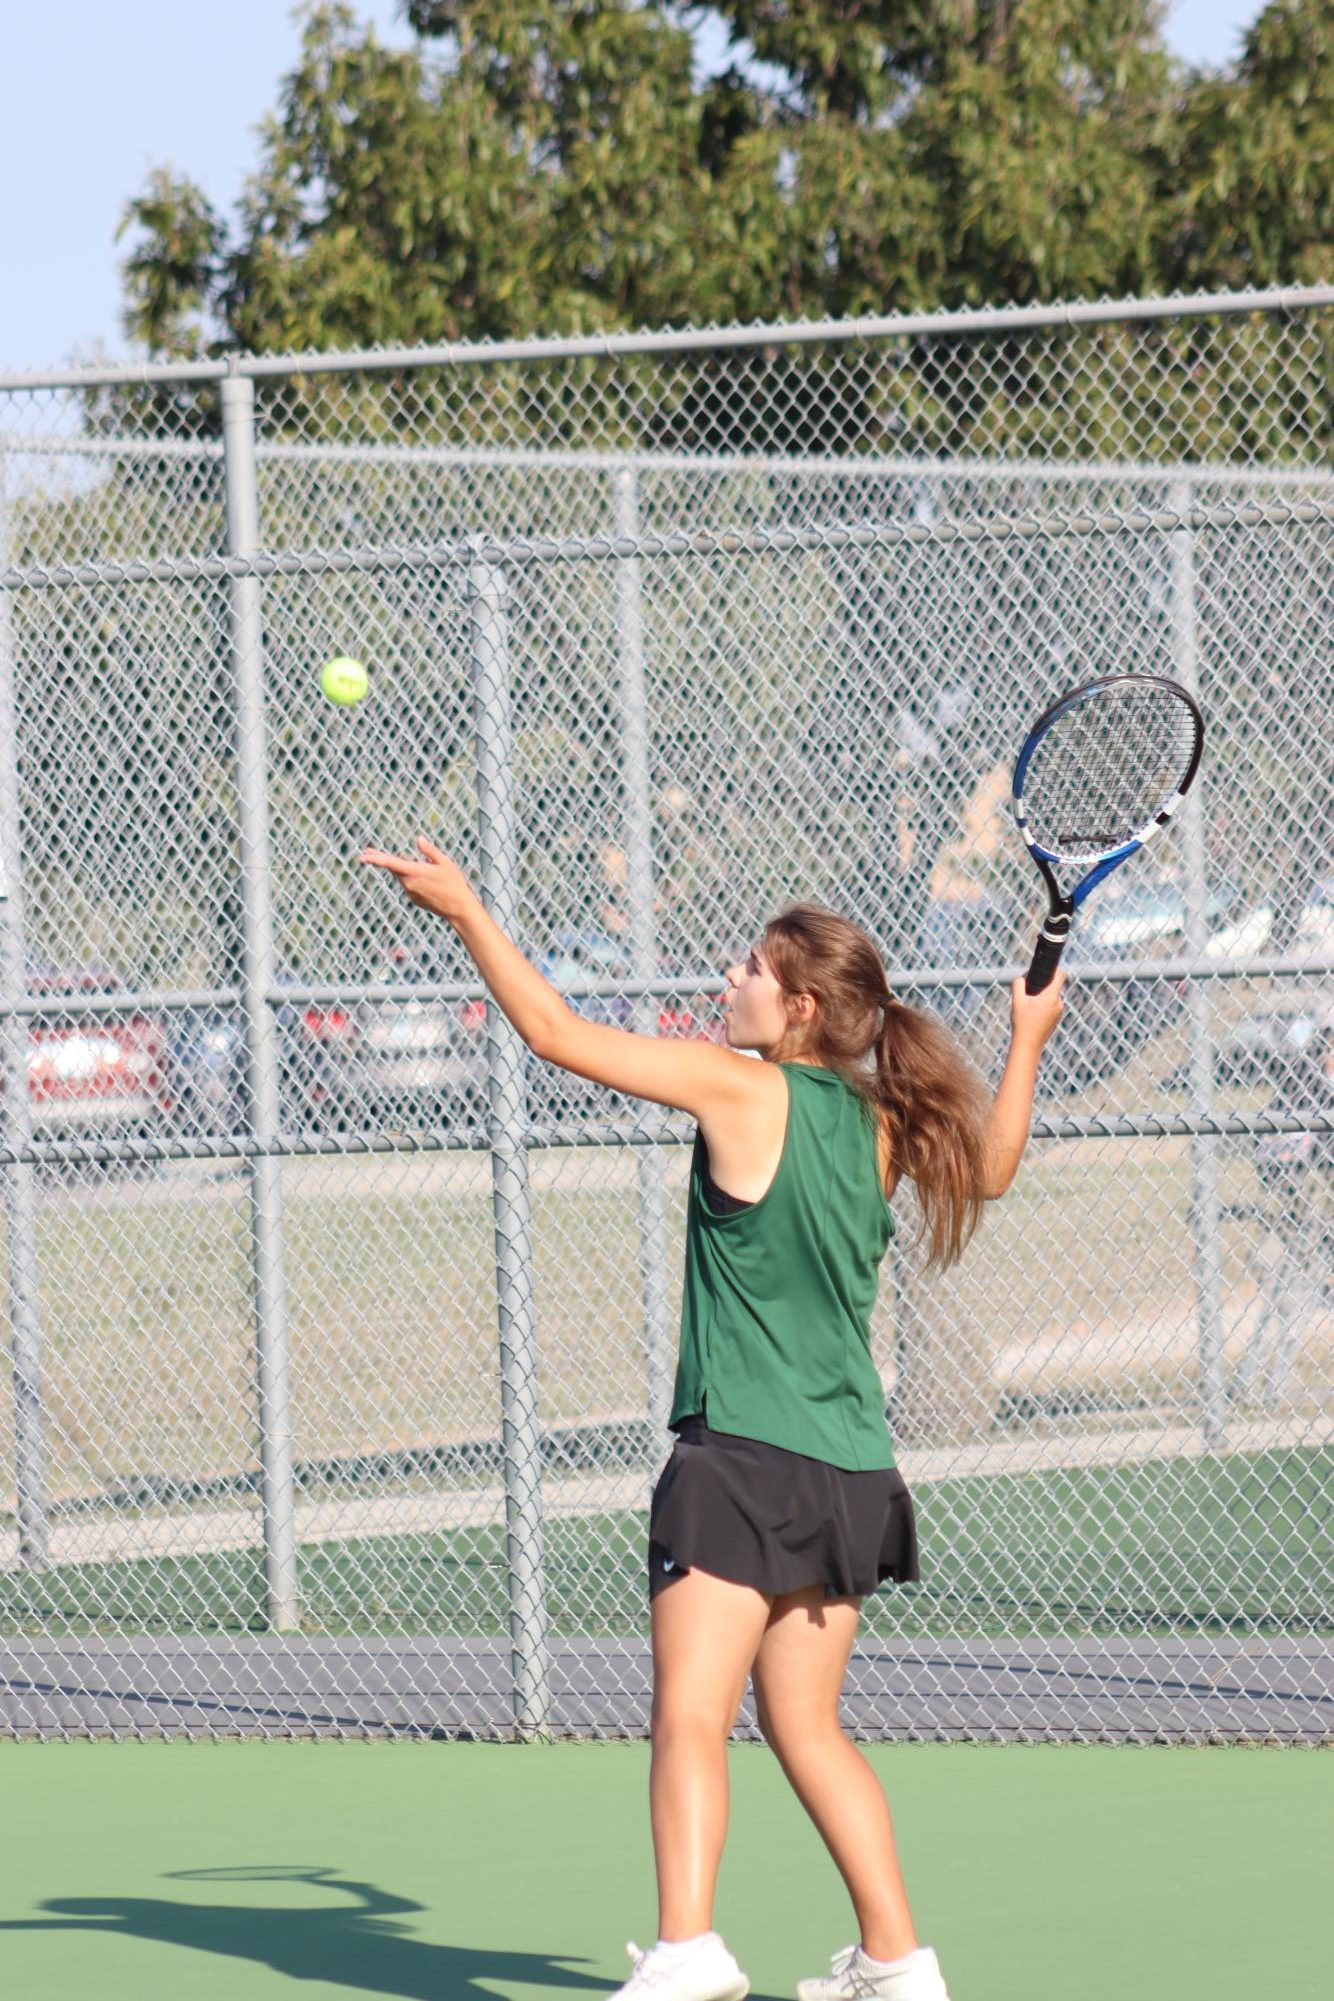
point(435, 1872)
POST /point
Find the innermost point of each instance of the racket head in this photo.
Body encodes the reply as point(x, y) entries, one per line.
point(1102, 771)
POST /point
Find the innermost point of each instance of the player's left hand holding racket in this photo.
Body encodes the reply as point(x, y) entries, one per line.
point(1100, 773)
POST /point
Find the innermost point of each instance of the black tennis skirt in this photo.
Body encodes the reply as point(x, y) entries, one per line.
point(778, 1520)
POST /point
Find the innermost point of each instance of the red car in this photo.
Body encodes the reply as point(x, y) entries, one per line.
point(103, 1071)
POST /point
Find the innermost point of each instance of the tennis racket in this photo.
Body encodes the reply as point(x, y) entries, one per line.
point(1100, 773)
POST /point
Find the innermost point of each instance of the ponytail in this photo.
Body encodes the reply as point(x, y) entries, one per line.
point(937, 1110)
point(920, 1083)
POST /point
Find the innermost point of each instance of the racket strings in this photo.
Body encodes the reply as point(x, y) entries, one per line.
point(1106, 767)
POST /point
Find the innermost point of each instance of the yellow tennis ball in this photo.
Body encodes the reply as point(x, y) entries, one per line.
point(344, 681)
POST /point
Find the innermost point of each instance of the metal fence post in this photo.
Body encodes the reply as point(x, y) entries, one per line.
point(18, 1177)
point(268, 1270)
point(1203, 1146)
point(637, 782)
point(511, 1215)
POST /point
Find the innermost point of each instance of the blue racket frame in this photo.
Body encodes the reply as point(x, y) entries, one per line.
point(1062, 904)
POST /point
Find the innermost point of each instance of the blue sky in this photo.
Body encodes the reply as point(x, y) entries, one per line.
point(96, 96)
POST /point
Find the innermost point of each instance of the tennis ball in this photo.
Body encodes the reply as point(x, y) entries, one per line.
point(344, 681)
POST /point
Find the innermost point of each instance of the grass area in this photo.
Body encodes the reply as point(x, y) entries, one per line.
point(1237, 1544)
point(147, 1318)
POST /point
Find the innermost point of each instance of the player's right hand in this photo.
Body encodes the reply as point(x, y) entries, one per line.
point(432, 879)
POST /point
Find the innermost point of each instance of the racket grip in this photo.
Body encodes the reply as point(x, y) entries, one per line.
point(1047, 953)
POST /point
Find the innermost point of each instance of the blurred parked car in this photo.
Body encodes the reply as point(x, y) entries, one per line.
point(1306, 1084)
point(413, 1062)
point(1251, 930)
point(418, 1062)
point(1260, 1047)
point(1107, 1021)
point(93, 1074)
point(208, 1064)
point(1235, 928)
point(1145, 915)
point(588, 955)
point(207, 1057)
point(692, 1014)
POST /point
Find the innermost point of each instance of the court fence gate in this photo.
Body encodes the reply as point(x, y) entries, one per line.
point(342, 1332)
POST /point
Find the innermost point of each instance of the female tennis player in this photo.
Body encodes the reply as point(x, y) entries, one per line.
point(780, 1507)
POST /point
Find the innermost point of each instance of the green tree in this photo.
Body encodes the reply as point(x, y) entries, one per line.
point(542, 169)
point(1043, 131)
point(1254, 201)
point(174, 266)
point(552, 164)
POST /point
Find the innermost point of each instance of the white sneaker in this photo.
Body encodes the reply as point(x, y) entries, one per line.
point(707, 1972)
point(853, 1975)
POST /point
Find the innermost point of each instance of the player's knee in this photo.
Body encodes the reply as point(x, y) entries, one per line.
point(790, 1717)
point(678, 1713)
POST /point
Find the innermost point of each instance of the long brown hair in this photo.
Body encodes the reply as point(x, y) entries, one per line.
point(919, 1080)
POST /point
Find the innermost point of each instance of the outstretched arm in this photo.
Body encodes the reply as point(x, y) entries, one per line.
point(1032, 1019)
point(691, 1076)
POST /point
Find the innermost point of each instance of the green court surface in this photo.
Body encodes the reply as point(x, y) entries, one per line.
point(244, 1871)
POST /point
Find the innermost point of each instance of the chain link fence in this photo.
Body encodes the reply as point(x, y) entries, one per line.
point(342, 1332)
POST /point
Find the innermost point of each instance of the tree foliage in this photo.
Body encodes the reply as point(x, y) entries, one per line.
point(557, 164)
point(1255, 204)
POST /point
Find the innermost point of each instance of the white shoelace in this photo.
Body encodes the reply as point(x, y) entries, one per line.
point(860, 1983)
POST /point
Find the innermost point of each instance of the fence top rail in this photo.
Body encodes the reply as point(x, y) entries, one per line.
point(462, 354)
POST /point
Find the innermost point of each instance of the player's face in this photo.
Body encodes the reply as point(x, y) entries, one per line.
point(754, 1006)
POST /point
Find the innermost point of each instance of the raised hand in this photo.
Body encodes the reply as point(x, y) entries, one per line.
point(430, 880)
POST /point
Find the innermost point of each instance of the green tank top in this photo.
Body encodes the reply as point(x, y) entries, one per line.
point(777, 1298)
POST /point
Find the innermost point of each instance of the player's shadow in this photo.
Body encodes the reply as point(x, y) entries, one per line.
point(356, 1944)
